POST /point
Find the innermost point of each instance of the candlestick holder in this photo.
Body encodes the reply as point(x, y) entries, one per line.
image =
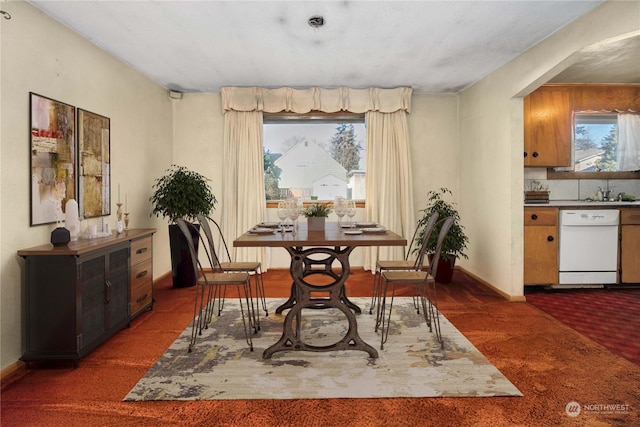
point(126, 220)
point(119, 211)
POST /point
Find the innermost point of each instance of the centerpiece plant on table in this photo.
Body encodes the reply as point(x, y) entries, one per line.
point(316, 215)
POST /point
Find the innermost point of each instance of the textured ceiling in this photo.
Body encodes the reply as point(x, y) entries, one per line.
point(201, 46)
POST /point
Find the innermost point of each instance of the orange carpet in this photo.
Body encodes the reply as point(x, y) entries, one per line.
point(550, 363)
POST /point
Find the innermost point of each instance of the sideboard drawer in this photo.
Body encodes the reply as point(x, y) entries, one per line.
point(141, 273)
point(141, 278)
point(141, 250)
point(141, 296)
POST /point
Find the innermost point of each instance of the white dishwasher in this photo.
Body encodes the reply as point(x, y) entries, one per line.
point(588, 247)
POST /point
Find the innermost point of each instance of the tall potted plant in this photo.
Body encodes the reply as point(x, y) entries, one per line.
point(454, 245)
point(181, 193)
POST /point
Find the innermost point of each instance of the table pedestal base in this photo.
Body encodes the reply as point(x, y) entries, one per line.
point(307, 295)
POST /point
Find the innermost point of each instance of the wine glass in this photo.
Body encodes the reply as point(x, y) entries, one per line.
point(283, 213)
point(351, 210)
point(294, 213)
point(340, 206)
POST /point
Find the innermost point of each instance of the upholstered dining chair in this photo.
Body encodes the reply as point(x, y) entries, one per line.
point(254, 268)
point(405, 264)
point(211, 283)
point(424, 280)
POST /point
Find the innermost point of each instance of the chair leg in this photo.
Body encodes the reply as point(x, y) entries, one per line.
point(221, 300)
point(246, 318)
point(384, 325)
point(374, 296)
point(253, 310)
point(435, 313)
point(197, 315)
point(207, 314)
point(423, 300)
point(378, 298)
point(260, 292)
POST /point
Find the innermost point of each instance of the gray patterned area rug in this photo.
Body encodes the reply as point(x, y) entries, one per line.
point(412, 363)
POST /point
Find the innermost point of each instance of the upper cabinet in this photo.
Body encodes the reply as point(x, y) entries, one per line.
point(548, 117)
point(547, 128)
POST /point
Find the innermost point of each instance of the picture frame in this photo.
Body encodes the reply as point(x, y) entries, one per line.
point(53, 158)
point(94, 164)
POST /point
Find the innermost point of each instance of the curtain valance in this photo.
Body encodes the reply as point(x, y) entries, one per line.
point(302, 101)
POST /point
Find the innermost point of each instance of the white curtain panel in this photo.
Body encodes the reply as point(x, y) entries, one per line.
point(628, 142)
point(243, 198)
point(389, 185)
point(389, 188)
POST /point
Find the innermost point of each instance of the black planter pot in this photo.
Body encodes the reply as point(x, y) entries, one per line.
point(445, 269)
point(181, 265)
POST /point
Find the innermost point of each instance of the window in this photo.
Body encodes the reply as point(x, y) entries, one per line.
point(314, 156)
point(597, 146)
point(595, 142)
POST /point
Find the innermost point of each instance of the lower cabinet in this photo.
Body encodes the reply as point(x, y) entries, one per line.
point(541, 246)
point(79, 295)
point(630, 245)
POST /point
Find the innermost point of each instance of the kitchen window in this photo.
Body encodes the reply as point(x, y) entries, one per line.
point(598, 145)
point(314, 156)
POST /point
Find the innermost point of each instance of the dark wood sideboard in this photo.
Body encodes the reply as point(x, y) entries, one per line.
point(79, 295)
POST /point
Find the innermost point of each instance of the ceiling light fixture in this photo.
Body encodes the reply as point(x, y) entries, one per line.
point(316, 21)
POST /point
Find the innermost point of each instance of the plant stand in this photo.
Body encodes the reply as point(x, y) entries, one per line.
point(181, 265)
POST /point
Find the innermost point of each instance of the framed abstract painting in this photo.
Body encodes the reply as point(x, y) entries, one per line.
point(53, 158)
point(94, 169)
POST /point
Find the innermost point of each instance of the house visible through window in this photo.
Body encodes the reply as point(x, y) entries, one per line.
point(314, 156)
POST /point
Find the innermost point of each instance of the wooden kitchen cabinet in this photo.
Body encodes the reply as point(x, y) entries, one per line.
point(541, 246)
point(78, 295)
point(547, 127)
point(630, 245)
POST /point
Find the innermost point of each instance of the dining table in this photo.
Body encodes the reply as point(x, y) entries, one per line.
point(325, 252)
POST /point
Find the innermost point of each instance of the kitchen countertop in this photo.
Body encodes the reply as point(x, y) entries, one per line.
point(585, 204)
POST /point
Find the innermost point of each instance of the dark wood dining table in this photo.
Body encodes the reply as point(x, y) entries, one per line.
point(319, 252)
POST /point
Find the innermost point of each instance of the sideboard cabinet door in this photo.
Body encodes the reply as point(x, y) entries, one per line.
point(104, 284)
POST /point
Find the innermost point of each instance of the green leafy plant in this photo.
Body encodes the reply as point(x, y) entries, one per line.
point(316, 210)
point(455, 243)
point(182, 193)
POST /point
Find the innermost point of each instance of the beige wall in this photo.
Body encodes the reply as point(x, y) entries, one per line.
point(41, 56)
point(491, 142)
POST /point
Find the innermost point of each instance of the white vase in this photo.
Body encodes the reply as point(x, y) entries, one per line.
point(315, 223)
point(71, 220)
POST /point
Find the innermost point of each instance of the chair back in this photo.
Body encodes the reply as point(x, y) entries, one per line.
point(426, 234)
point(185, 227)
point(222, 239)
point(211, 251)
point(413, 238)
point(446, 225)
